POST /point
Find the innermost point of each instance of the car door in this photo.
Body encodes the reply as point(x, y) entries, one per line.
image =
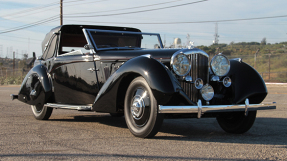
point(74, 79)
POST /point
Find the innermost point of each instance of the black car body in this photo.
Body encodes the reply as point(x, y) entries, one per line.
point(109, 69)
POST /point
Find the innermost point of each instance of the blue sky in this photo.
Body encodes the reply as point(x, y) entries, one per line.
point(15, 13)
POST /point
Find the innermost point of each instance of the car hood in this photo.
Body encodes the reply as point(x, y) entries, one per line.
point(164, 55)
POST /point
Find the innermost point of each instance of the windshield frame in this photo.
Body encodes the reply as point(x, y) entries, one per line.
point(119, 32)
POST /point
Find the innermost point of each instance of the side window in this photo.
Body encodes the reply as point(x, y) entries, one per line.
point(51, 49)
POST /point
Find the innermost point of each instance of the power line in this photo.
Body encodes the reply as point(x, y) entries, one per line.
point(36, 8)
point(115, 14)
point(126, 8)
point(41, 8)
point(53, 18)
point(38, 22)
point(29, 14)
point(20, 37)
point(18, 41)
point(82, 3)
point(30, 9)
point(182, 22)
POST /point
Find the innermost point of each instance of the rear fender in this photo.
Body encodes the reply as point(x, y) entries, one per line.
point(36, 87)
point(159, 78)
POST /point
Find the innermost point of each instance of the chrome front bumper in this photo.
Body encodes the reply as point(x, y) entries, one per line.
point(201, 109)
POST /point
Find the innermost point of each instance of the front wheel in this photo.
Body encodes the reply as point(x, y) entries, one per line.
point(41, 112)
point(141, 111)
point(236, 122)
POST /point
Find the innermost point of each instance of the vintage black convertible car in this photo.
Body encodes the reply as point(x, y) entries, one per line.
point(123, 71)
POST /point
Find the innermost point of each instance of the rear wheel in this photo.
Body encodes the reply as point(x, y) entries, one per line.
point(41, 112)
point(236, 122)
point(141, 111)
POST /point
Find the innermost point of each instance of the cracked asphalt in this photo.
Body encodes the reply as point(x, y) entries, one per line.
point(73, 135)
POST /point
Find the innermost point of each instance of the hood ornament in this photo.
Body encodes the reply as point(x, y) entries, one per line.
point(190, 45)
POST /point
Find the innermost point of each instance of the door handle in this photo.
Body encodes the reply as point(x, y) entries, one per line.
point(91, 69)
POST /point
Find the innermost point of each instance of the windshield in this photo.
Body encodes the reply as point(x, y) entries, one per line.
point(107, 39)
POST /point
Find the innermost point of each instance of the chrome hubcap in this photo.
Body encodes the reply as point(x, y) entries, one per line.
point(140, 107)
point(137, 108)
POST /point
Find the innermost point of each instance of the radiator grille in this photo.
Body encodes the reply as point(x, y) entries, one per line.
point(199, 69)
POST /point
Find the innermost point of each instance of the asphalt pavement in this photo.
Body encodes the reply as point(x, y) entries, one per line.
point(74, 135)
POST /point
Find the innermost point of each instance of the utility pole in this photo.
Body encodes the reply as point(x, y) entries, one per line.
point(269, 64)
point(269, 61)
point(13, 62)
point(216, 36)
point(164, 42)
point(61, 12)
point(187, 40)
point(1, 50)
point(28, 44)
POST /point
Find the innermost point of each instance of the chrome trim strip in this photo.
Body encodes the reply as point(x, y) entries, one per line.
point(199, 109)
point(119, 32)
point(194, 51)
point(190, 52)
point(49, 42)
point(70, 107)
point(73, 58)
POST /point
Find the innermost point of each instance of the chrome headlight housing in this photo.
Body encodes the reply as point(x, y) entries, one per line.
point(180, 64)
point(220, 65)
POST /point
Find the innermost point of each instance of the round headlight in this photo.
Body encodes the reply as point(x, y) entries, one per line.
point(180, 64)
point(207, 92)
point(220, 65)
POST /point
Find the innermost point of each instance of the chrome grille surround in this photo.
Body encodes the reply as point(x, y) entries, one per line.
point(199, 69)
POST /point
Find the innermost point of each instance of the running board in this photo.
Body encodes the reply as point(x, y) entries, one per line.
point(70, 107)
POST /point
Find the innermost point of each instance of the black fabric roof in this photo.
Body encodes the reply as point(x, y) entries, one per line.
point(77, 29)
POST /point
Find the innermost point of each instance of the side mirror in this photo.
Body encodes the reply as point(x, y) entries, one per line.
point(88, 47)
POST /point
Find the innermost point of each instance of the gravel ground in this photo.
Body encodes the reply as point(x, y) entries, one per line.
point(73, 135)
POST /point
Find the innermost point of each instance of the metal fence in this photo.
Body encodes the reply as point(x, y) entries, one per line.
point(10, 76)
point(272, 68)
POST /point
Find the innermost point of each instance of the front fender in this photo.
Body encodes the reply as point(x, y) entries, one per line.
point(246, 83)
point(160, 80)
point(36, 80)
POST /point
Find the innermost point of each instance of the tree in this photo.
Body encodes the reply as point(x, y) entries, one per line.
point(25, 56)
point(263, 41)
